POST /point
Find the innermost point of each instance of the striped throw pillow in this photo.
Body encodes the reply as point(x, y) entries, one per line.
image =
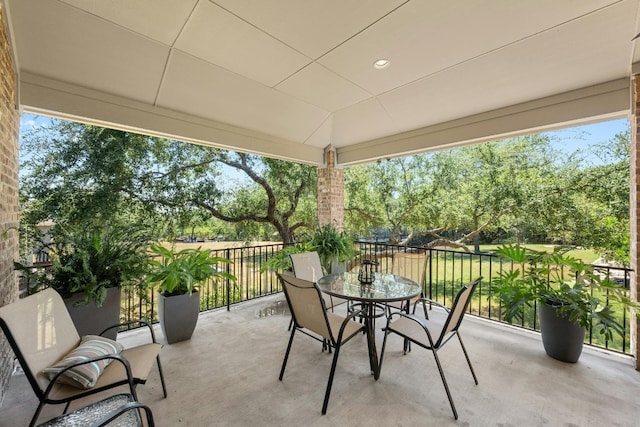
point(85, 376)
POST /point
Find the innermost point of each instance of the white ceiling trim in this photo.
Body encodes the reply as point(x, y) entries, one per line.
point(600, 102)
point(41, 95)
point(605, 101)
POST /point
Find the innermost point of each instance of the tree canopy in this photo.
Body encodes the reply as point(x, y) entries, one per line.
point(520, 189)
point(78, 173)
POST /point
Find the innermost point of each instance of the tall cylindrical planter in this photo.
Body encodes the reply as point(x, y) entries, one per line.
point(178, 315)
point(562, 339)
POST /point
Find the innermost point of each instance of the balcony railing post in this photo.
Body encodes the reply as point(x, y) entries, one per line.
point(228, 282)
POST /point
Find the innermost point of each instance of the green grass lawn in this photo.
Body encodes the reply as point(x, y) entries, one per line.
point(449, 270)
point(586, 255)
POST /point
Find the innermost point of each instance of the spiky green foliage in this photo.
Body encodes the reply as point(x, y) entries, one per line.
point(89, 259)
point(332, 245)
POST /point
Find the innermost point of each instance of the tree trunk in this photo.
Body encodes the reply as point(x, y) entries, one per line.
point(476, 237)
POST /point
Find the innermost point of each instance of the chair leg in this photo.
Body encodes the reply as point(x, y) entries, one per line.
point(407, 306)
point(330, 382)
point(164, 387)
point(446, 386)
point(464, 350)
point(384, 345)
point(406, 348)
point(36, 414)
point(424, 308)
point(286, 355)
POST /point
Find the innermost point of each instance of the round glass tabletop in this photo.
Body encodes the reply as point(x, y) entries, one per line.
point(385, 287)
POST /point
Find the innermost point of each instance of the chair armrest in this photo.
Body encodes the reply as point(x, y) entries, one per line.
point(406, 316)
point(351, 316)
point(116, 357)
point(131, 406)
point(140, 322)
point(436, 303)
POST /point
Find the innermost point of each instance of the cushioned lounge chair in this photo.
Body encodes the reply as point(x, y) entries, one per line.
point(41, 333)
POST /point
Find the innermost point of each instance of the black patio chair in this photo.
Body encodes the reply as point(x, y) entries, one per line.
point(310, 316)
point(431, 334)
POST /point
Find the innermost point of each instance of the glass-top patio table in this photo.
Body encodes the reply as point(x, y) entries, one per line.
point(385, 288)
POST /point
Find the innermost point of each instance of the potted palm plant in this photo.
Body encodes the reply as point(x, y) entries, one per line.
point(571, 297)
point(177, 276)
point(334, 249)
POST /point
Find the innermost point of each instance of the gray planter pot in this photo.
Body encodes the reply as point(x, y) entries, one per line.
point(338, 266)
point(178, 315)
point(562, 339)
point(91, 320)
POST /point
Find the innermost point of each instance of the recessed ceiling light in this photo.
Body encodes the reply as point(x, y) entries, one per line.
point(381, 63)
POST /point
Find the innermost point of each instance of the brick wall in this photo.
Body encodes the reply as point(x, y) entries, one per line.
point(331, 192)
point(635, 208)
point(9, 124)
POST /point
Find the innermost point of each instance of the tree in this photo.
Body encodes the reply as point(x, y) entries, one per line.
point(602, 195)
point(380, 194)
point(77, 172)
point(481, 186)
point(520, 188)
point(362, 206)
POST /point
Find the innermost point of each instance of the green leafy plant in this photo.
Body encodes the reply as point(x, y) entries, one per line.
point(181, 272)
point(331, 245)
point(90, 260)
point(281, 260)
point(576, 289)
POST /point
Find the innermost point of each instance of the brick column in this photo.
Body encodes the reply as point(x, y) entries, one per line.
point(634, 194)
point(9, 125)
point(331, 191)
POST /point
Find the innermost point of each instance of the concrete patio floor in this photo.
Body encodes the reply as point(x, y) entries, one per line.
point(227, 375)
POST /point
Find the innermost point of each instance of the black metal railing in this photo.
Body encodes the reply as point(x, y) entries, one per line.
point(246, 266)
point(448, 270)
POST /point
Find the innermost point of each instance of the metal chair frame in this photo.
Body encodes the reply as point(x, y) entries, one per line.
point(449, 330)
point(326, 336)
point(104, 412)
point(395, 269)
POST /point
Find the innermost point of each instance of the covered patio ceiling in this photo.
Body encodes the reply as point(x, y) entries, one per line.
point(287, 78)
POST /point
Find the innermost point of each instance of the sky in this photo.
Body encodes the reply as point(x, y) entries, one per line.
point(569, 139)
point(597, 133)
